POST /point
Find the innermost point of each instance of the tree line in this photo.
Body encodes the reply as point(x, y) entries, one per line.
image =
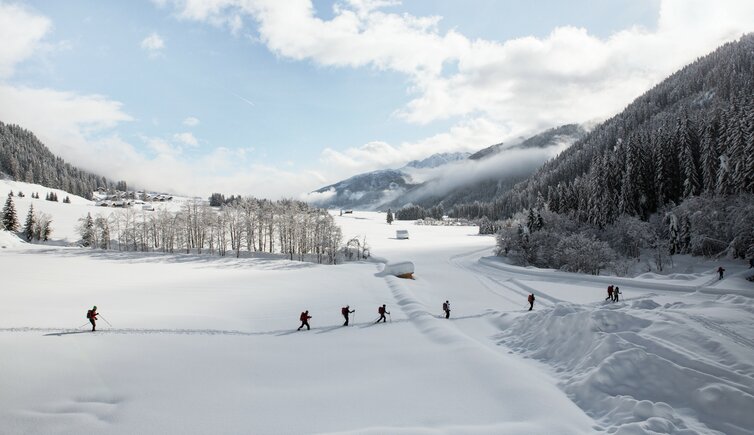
point(245, 225)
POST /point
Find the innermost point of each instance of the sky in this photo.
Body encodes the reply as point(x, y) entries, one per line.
point(277, 98)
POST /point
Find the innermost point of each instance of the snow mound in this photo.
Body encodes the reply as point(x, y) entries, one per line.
point(401, 269)
point(10, 240)
point(640, 370)
point(644, 304)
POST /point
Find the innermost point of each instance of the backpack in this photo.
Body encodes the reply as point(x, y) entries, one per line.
point(303, 317)
point(444, 306)
point(381, 310)
point(89, 314)
point(344, 311)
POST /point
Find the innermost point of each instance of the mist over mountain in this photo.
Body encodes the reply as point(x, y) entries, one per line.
point(691, 135)
point(449, 178)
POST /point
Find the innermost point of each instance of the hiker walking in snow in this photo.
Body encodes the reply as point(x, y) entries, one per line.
point(609, 293)
point(382, 310)
point(345, 311)
point(92, 316)
point(304, 317)
point(531, 301)
point(720, 271)
point(446, 308)
point(616, 293)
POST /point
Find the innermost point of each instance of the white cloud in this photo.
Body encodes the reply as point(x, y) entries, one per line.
point(526, 84)
point(153, 44)
point(21, 33)
point(186, 138)
point(64, 121)
point(191, 121)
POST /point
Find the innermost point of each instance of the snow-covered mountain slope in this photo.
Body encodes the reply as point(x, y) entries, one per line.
point(65, 217)
point(448, 177)
point(204, 344)
point(436, 160)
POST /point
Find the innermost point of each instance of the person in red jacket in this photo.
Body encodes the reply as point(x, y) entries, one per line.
point(304, 317)
point(345, 311)
point(92, 316)
point(609, 293)
point(382, 311)
point(531, 301)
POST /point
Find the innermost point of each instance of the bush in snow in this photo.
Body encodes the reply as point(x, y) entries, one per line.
point(579, 253)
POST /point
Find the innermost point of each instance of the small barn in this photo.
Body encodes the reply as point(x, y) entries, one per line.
point(401, 234)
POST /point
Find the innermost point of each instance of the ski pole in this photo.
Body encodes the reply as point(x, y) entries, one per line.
point(105, 320)
point(83, 325)
point(390, 317)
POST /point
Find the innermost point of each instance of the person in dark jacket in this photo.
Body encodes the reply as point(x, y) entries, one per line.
point(609, 293)
point(382, 311)
point(616, 293)
point(304, 317)
point(720, 272)
point(446, 308)
point(531, 301)
point(345, 311)
point(92, 316)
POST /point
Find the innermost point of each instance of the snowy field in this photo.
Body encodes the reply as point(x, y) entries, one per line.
point(203, 344)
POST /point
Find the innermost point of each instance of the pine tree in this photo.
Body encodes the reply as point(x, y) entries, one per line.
point(389, 216)
point(10, 220)
point(629, 195)
point(709, 156)
point(87, 230)
point(531, 221)
point(29, 225)
point(748, 171)
point(691, 184)
point(723, 176)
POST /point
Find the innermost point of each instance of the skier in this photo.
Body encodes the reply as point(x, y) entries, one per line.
point(531, 301)
point(720, 271)
point(446, 308)
point(92, 316)
point(345, 311)
point(382, 310)
point(304, 317)
point(609, 293)
point(616, 293)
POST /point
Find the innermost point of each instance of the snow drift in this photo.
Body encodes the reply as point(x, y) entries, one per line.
point(639, 367)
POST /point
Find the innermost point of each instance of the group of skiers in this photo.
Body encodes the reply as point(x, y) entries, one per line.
point(347, 311)
point(613, 293)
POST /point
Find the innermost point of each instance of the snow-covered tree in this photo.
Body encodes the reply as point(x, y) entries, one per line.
point(86, 230)
point(42, 227)
point(389, 216)
point(29, 225)
point(10, 219)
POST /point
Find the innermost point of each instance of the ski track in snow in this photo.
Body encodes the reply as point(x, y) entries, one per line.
point(605, 377)
point(632, 367)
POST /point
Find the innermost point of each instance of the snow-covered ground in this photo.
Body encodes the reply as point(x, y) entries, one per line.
point(203, 344)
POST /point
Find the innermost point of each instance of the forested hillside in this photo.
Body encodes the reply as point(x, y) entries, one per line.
point(24, 158)
point(690, 135)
